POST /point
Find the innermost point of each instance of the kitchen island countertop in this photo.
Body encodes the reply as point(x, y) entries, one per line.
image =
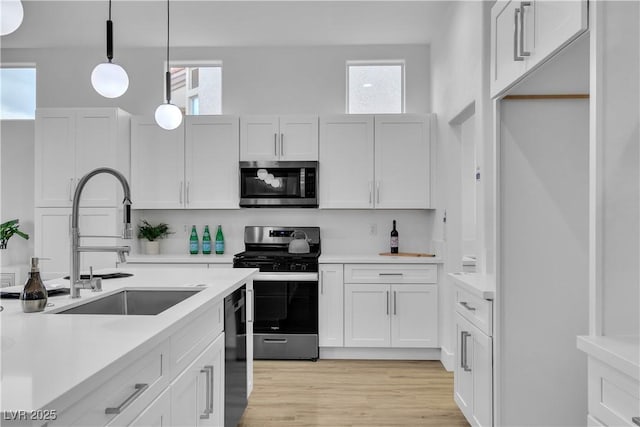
point(46, 355)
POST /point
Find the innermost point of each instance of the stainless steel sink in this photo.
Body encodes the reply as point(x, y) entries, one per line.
point(131, 302)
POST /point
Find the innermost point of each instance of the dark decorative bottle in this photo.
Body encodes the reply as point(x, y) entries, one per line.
point(34, 295)
point(394, 239)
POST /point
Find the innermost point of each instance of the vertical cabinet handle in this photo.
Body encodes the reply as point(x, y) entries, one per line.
point(387, 303)
point(187, 198)
point(395, 300)
point(275, 144)
point(322, 283)
point(378, 192)
point(207, 372)
point(516, 57)
point(370, 193)
point(253, 306)
point(180, 190)
point(282, 144)
point(465, 351)
point(522, 6)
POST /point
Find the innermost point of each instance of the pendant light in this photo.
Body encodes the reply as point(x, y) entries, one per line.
point(168, 116)
point(108, 79)
point(11, 14)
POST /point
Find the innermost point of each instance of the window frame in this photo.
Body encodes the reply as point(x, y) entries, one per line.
point(24, 65)
point(377, 62)
point(178, 63)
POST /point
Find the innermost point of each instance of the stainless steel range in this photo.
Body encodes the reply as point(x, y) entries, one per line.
point(286, 291)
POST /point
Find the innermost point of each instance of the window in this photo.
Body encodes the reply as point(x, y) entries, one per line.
point(17, 93)
point(197, 88)
point(375, 87)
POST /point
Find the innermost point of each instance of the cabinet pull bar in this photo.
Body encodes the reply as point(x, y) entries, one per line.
point(390, 274)
point(275, 340)
point(370, 192)
point(275, 144)
point(187, 192)
point(180, 190)
point(282, 145)
point(516, 57)
point(395, 299)
point(378, 192)
point(522, 6)
point(322, 283)
point(205, 414)
point(466, 351)
point(387, 303)
point(467, 306)
point(253, 306)
point(462, 348)
point(140, 388)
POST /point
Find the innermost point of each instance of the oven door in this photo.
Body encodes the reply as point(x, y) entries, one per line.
point(286, 316)
point(274, 184)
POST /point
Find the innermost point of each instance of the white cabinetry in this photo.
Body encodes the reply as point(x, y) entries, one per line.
point(71, 142)
point(390, 170)
point(278, 138)
point(524, 34)
point(330, 306)
point(197, 395)
point(194, 166)
point(473, 389)
point(391, 306)
point(157, 414)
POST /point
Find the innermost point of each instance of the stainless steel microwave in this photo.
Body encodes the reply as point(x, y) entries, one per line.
point(271, 184)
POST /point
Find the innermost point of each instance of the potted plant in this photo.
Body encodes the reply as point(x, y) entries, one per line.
point(152, 233)
point(8, 229)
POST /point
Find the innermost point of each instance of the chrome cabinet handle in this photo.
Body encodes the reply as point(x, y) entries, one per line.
point(207, 410)
point(390, 274)
point(253, 306)
point(187, 192)
point(467, 306)
point(275, 144)
point(282, 144)
point(387, 303)
point(516, 57)
point(522, 6)
point(140, 388)
point(378, 192)
point(465, 352)
point(462, 348)
point(395, 299)
point(370, 192)
point(322, 283)
point(181, 186)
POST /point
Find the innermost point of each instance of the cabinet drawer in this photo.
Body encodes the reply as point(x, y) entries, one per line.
point(476, 310)
point(192, 338)
point(130, 390)
point(390, 273)
point(614, 398)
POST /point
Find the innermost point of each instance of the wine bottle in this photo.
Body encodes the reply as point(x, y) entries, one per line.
point(193, 241)
point(219, 241)
point(206, 241)
point(394, 239)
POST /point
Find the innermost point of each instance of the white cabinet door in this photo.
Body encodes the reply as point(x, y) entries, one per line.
point(197, 395)
point(259, 138)
point(157, 414)
point(51, 230)
point(506, 62)
point(331, 306)
point(54, 157)
point(367, 315)
point(346, 161)
point(414, 322)
point(556, 24)
point(463, 376)
point(211, 162)
point(402, 161)
point(298, 138)
point(482, 371)
point(157, 165)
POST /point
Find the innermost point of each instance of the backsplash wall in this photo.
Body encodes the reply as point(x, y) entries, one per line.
point(341, 231)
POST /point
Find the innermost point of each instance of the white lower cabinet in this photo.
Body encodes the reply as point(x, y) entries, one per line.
point(157, 414)
point(330, 306)
point(397, 315)
point(197, 395)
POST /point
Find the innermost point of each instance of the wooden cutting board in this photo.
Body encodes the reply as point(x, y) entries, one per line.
point(409, 254)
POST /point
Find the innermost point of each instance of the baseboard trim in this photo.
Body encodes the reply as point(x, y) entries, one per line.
point(448, 359)
point(380, 353)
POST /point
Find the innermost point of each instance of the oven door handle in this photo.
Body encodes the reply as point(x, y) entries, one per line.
point(285, 277)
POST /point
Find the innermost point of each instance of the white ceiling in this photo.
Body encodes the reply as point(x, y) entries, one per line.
point(142, 23)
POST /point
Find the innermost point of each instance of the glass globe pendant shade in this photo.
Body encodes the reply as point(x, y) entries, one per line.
point(168, 116)
point(11, 14)
point(109, 80)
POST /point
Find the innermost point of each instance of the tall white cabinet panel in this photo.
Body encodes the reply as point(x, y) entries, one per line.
point(278, 138)
point(71, 142)
point(157, 165)
point(346, 161)
point(330, 306)
point(367, 315)
point(211, 162)
point(402, 161)
point(52, 241)
point(415, 315)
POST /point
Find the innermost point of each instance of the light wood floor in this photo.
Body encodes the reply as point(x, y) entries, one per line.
point(351, 393)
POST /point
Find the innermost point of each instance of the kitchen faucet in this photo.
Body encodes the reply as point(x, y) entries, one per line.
point(74, 274)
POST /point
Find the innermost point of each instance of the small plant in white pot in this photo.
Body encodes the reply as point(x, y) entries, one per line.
point(152, 234)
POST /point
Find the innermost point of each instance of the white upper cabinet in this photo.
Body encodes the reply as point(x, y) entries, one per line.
point(346, 162)
point(194, 166)
point(524, 34)
point(278, 138)
point(381, 161)
point(71, 142)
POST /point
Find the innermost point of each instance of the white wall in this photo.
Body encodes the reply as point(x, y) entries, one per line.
point(255, 80)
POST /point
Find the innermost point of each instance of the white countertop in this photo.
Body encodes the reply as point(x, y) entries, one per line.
point(45, 355)
point(376, 259)
point(620, 352)
point(480, 285)
point(181, 259)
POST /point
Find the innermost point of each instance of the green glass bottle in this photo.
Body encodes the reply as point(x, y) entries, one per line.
point(206, 241)
point(219, 241)
point(193, 241)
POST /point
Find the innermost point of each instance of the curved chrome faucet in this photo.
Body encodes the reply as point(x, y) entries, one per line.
point(74, 275)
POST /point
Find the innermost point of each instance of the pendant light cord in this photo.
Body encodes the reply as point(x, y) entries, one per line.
point(168, 73)
point(109, 10)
